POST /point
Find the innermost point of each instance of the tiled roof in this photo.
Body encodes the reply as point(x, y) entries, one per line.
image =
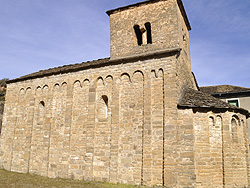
point(62, 69)
point(223, 89)
point(196, 99)
point(94, 64)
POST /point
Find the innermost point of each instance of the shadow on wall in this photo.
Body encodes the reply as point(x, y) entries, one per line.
point(1, 114)
point(3, 87)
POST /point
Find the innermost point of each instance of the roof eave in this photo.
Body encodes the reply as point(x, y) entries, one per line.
point(96, 64)
point(241, 110)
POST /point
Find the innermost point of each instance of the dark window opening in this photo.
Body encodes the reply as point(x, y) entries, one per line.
point(41, 113)
point(105, 99)
point(149, 35)
point(138, 34)
point(143, 34)
point(234, 102)
point(102, 108)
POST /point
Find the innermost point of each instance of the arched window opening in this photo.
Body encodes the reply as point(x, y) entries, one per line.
point(149, 35)
point(103, 107)
point(138, 34)
point(143, 34)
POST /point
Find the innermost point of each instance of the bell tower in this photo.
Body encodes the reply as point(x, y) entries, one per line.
point(148, 27)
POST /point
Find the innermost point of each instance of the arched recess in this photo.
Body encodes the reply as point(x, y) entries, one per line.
point(131, 113)
point(86, 81)
point(155, 135)
point(219, 122)
point(77, 84)
point(58, 130)
point(109, 79)
point(28, 91)
point(125, 77)
point(38, 90)
point(56, 87)
point(20, 133)
point(138, 76)
point(160, 73)
point(78, 130)
point(64, 84)
point(234, 128)
point(101, 107)
point(100, 81)
point(21, 91)
point(215, 141)
point(211, 121)
point(45, 89)
point(153, 74)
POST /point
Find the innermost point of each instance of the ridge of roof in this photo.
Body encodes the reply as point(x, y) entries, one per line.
point(196, 99)
point(223, 89)
point(179, 2)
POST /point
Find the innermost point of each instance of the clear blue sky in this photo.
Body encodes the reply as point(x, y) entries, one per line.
point(41, 34)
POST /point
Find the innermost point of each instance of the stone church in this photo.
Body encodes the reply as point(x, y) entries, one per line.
point(137, 117)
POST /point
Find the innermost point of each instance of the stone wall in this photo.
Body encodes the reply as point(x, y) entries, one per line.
point(163, 17)
point(116, 124)
point(121, 125)
point(119, 122)
point(221, 150)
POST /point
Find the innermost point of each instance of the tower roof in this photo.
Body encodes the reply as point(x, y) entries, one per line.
point(180, 4)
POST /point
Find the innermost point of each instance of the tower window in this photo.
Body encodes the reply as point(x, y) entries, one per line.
point(143, 34)
point(138, 34)
point(149, 35)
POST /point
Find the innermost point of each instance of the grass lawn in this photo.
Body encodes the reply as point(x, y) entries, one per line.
point(17, 180)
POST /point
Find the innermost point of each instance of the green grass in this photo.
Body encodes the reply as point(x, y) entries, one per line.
point(17, 180)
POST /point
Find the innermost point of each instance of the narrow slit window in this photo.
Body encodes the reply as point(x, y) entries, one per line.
point(41, 112)
point(103, 108)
